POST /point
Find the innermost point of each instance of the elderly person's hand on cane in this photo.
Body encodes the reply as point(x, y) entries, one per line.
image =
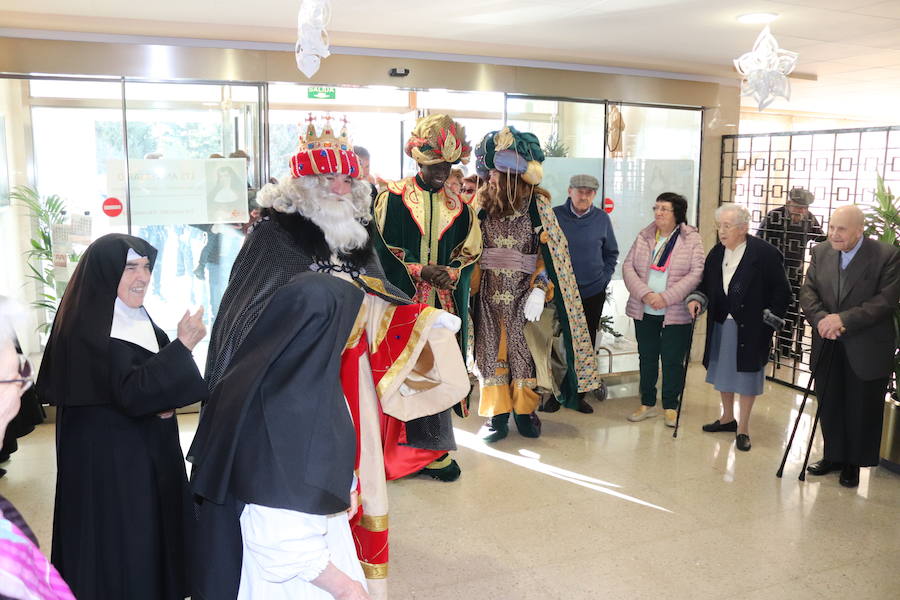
point(746, 292)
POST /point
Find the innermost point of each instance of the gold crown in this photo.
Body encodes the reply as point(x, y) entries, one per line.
point(325, 140)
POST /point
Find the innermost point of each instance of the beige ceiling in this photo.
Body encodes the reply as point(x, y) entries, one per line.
point(849, 49)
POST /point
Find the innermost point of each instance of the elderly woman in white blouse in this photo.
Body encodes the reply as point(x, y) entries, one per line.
point(747, 293)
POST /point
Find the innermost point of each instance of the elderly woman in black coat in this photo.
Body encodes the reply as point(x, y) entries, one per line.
point(747, 293)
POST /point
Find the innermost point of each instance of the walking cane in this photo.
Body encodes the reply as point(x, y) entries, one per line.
point(687, 360)
point(827, 345)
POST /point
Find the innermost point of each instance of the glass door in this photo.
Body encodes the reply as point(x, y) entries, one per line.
point(191, 179)
point(571, 134)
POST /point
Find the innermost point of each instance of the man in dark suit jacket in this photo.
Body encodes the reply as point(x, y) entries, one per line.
point(850, 294)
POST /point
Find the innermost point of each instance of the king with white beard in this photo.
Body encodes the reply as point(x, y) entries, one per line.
point(400, 372)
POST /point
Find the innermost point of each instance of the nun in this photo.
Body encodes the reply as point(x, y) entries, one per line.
point(122, 509)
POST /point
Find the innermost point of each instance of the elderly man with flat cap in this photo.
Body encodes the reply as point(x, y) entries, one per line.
point(592, 249)
point(791, 228)
point(850, 297)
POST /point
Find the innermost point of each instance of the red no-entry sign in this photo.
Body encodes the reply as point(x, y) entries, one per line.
point(112, 207)
point(608, 205)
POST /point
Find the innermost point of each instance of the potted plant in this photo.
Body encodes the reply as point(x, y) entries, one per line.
point(47, 211)
point(883, 224)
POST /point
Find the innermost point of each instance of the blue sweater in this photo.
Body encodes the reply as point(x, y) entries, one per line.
point(592, 247)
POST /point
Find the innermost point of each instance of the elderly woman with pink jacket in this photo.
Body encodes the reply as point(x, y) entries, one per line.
point(664, 265)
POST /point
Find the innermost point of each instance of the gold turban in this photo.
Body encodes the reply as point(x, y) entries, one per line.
point(438, 138)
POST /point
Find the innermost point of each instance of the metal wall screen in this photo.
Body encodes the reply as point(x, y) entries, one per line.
point(839, 167)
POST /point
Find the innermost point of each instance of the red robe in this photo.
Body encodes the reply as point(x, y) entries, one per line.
point(395, 363)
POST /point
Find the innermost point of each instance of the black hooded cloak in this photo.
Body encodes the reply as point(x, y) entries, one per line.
point(122, 504)
point(277, 431)
point(278, 247)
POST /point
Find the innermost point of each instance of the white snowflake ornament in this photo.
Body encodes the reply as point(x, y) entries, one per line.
point(765, 70)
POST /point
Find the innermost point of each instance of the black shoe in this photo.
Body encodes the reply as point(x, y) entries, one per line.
point(742, 441)
point(824, 467)
point(445, 472)
point(850, 476)
point(550, 406)
point(498, 426)
point(583, 406)
point(528, 425)
point(717, 426)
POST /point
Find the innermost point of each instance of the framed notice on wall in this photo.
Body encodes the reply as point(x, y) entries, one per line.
point(178, 192)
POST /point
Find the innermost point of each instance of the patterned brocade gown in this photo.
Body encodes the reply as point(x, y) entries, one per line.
point(503, 360)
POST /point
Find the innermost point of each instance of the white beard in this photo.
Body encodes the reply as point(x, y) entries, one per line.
point(334, 215)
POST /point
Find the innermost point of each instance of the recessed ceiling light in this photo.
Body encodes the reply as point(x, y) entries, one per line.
point(757, 18)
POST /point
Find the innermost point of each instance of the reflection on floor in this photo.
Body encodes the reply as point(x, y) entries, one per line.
point(602, 508)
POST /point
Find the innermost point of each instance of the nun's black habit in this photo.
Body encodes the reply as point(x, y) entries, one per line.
point(122, 503)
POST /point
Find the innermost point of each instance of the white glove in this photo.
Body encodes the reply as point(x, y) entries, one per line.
point(534, 306)
point(448, 321)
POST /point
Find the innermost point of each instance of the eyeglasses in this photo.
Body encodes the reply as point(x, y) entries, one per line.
point(26, 374)
point(662, 209)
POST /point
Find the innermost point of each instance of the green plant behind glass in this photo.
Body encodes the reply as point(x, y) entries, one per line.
point(48, 211)
point(883, 224)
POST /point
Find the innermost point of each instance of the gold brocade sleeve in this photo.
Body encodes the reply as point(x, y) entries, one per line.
point(379, 209)
point(475, 284)
point(469, 250)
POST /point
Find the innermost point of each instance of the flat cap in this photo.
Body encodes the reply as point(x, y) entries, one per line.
point(801, 196)
point(584, 181)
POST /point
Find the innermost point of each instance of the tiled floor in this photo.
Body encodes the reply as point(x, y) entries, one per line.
point(602, 508)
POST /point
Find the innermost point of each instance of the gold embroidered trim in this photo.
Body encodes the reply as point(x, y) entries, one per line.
point(440, 464)
point(503, 298)
point(374, 522)
point(374, 571)
point(422, 325)
point(383, 326)
point(496, 380)
point(359, 326)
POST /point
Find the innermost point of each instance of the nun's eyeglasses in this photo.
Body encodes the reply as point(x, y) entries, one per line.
point(26, 374)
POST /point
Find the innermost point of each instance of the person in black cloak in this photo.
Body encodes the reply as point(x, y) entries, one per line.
point(122, 502)
point(274, 454)
point(318, 220)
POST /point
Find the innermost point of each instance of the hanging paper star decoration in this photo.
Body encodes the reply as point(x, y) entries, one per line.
point(312, 39)
point(765, 70)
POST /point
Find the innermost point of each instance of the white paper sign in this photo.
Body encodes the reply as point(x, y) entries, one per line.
point(178, 192)
point(80, 229)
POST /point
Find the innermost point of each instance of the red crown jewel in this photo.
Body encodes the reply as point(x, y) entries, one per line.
point(325, 153)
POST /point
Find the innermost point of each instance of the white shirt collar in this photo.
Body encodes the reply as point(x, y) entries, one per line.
point(133, 325)
point(739, 249)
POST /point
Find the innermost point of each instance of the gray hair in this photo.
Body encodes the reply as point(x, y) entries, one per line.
point(303, 195)
point(741, 214)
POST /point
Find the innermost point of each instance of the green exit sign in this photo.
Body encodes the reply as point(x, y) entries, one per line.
point(321, 93)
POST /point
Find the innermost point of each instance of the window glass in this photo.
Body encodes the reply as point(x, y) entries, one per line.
point(194, 206)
